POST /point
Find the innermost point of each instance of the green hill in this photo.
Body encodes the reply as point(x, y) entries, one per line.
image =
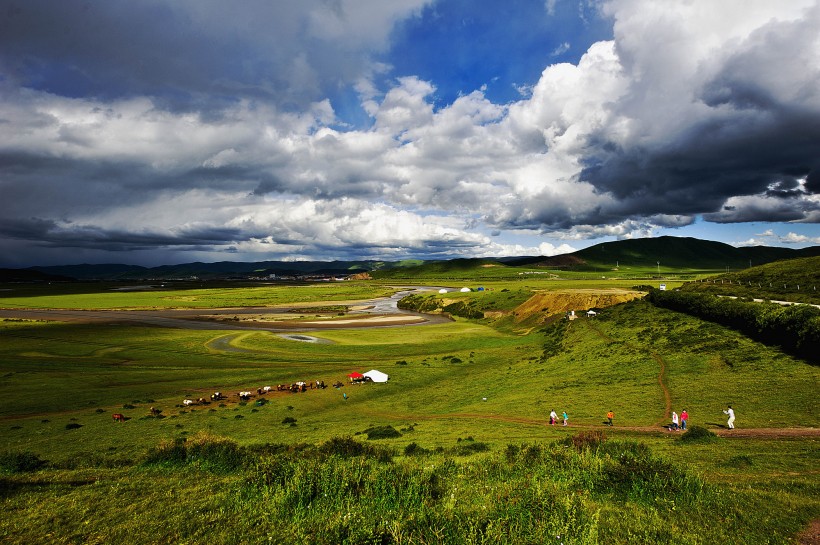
point(794, 280)
point(671, 252)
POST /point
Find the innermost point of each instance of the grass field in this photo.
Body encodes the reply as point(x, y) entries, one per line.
point(470, 398)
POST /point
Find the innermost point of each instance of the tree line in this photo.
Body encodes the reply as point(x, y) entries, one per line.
point(795, 328)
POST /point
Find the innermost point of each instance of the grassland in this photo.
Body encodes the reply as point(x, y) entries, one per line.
point(472, 459)
point(183, 295)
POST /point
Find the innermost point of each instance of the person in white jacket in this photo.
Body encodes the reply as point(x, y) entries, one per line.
point(675, 421)
point(731, 414)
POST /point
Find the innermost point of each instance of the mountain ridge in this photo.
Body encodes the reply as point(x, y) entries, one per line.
point(665, 251)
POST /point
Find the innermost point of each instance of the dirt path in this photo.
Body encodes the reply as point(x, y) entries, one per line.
point(811, 535)
point(758, 433)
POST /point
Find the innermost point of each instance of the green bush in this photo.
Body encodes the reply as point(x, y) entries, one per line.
point(167, 453)
point(382, 432)
point(463, 309)
point(215, 453)
point(203, 450)
point(698, 434)
point(471, 447)
point(413, 449)
point(631, 470)
point(347, 447)
point(586, 440)
point(18, 462)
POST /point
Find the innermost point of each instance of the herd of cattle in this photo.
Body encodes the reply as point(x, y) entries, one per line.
point(244, 395)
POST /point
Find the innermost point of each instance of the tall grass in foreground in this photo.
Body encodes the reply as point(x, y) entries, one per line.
point(582, 490)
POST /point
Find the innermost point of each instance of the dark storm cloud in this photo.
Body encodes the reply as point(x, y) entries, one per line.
point(712, 162)
point(760, 146)
point(775, 209)
point(186, 54)
point(50, 233)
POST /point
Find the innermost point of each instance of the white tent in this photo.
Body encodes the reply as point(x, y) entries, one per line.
point(376, 376)
point(465, 290)
point(443, 290)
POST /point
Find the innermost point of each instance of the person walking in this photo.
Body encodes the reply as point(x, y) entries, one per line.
point(553, 417)
point(609, 416)
point(566, 418)
point(684, 418)
point(675, 421)
point(731, 414)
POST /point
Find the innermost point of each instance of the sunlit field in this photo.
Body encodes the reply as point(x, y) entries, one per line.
point(467, 400)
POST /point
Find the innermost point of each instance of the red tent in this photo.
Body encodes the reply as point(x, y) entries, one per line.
point(354, 376)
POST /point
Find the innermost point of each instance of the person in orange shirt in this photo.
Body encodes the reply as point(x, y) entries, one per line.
point(609, 416)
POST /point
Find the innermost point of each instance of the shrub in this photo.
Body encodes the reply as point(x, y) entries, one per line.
point(206, 451)
point(215, 453)
point(471, 448)
point(633, 471)
point(167, 453)
point(347, 447)
point(413, 449)
point(464, 310)
point(698, 434)
point(288, 420)
point(586, 440)
point(739, 461)
point(18, 462)
point(382, 432)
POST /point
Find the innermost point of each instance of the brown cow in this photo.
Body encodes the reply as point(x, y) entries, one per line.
point(118, 417)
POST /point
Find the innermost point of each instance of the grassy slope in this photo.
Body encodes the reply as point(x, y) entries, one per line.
point(57, 374)
point(794, 280)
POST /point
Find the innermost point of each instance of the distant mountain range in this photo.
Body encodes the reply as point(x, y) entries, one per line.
point(670, 252)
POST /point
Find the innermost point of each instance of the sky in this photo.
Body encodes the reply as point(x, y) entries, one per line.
point(159, 132)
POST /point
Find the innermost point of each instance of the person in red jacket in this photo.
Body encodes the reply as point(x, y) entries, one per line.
point(684, 418)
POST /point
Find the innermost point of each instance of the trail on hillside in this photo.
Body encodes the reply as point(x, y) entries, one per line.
point(757, 433)
point(667, 396)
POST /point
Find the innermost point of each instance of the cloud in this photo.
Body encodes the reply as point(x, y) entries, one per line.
point(560, 50)
point(196, 54)
point(709, 114)
point(768, 238)
point(235, 142)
